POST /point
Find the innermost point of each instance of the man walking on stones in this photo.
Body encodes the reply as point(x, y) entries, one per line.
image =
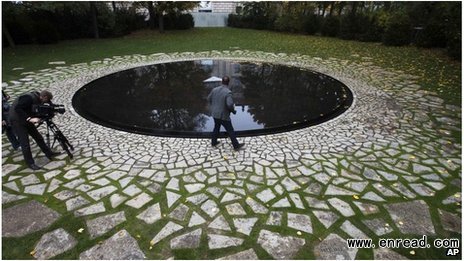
point(221, 105)
point(22, 120)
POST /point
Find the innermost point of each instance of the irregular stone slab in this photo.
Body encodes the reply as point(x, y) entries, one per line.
point(220, 223)
point(65, 194)
point(299, 222)
point(335, 191)
point(101, 192)
point(210, 208)
point(367, 208)
point(244, 255)
point(333, 247)
point(38, 189)
point(230, 197)
point(282, 203)
point(189, 240)
point(289, 184)
point(71, 174)
point(192, 188)
point(7, 197)
point(93, 209)
point(76, 202)
point(115, 175)
point(139, 201)
point(172, 198)
point(316, 203)
point(180, 212)
point(151, 214)
point(266, 195)
point(343, 207)
point(235, 209)
point(256, 207)
point(379, 226)
point(352, 231)
point(11, 185)
point(132, 190)
point(9, 168)
point(196, 219)
point(244, 225)
point(117, 199)
point(220, 241)
point(387, 254)
point(373, 196)
point(29, 180)
point(120, 246)
point(327, 218)
point(275, 219)
point(273, 243)
point(167, 230)
point(412, 217)
point(102, 225)
point(27, 218)
point(54, 165)
point(54, 243)
point(449, 221)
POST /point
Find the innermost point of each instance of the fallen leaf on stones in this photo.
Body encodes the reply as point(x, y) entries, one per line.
point(412, 252)
point(100, 242)
point(33, 252)
point(355, 196)
point(225, 158)
point(457, 195)
point(387, 225)
point(298, 233)
point(80, 230)
point(400, 222)
point(121, 233)
point(412, 157)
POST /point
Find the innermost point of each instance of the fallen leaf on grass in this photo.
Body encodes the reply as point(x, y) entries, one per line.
point(80, 230)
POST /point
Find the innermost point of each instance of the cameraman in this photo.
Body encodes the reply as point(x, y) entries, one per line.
point(6, 126)
point(22, 120)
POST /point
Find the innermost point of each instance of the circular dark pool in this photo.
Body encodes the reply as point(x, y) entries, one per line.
point(169, 99)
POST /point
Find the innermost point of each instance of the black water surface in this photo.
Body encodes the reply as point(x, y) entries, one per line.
point(170, 99)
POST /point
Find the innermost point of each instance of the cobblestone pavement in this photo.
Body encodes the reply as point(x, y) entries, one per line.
point(388, 167)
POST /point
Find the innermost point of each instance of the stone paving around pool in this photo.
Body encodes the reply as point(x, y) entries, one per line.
point(389, 167)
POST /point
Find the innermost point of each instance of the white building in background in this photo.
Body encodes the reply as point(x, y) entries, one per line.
point(214, 13)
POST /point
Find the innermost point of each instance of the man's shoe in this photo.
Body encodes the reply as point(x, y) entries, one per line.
point(34, 167)
point(240, 146)
point(215, 144)
point(52, 155)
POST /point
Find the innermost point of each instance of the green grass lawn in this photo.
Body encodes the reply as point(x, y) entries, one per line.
point(437, 72)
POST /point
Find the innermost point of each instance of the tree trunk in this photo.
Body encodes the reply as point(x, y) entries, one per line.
point(8, 35)
point(93, 8)
point(161, 22)
point(113, 3)
point(151, 11)
point(332, 5)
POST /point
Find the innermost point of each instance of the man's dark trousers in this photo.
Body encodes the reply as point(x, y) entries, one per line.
point(23, 131)
point(230, 130)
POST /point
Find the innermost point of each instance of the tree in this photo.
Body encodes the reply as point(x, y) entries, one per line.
point(161, 8)
point(93, 9)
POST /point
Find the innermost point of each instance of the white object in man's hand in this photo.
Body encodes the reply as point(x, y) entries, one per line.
point(34, 120)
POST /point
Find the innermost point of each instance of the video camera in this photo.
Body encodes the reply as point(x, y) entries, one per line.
point(47, 110)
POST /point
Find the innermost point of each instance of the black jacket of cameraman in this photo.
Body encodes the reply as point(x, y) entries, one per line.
point(22, 106)
point(21, 112)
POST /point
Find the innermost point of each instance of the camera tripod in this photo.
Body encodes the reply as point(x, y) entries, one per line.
point(57, 136)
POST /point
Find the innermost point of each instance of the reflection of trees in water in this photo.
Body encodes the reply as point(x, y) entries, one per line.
point(165, 96)
point(279, 95)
